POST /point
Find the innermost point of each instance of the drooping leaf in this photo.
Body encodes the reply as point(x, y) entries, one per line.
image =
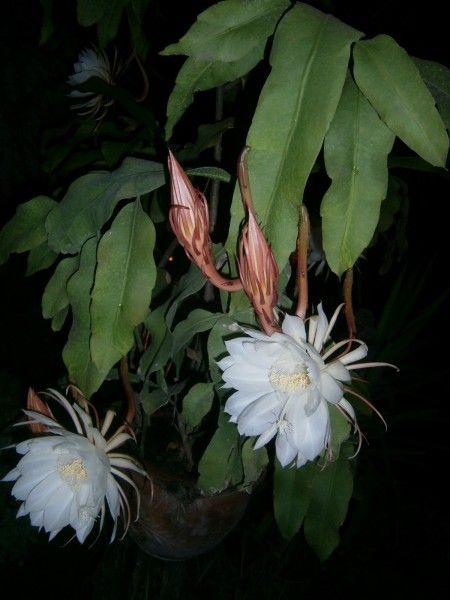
point(254, 462)
point(291, 495)
point(91, 199)
point(328, 504)
point(309, 61)
point(230, 30)
point(210, 173)
point(108, 25)
point(197, 321)
point(189, 284)
point(200, 75)
point(207, 136)
point(40, 257)
point(221, 464)
point(76, 352)
point(55, 297)
point(356, 149)
point(124, 282)
point(197, 403)
point(159, 342)
point(59, 319)
point(26, 230)
point(392, 83)
point(152, 400)
point(437, 78)
point(89, 12)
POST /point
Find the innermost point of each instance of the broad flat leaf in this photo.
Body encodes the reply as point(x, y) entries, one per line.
point(26, 229)
point(221, 465)
point(197, 403)
point(196, 75)
point(229, 30)
point(437, 78)
point(89, 12)
point(328, 504)
point(340, 430)
point(152, 400)
point(356, 149)
point(160, 341)
point(108, 25)
point(40, 257)
point(55, 297)
point(309, 61)
point(392, 83)
point(197, 321)
point(76, 352)
point(291, 496)
point(91, 199)
point(124, 281)
point(254, 462)
point(189, 284)
point(207, 136)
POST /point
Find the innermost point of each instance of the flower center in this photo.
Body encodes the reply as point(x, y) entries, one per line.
point(73, 473)
point(283, 381)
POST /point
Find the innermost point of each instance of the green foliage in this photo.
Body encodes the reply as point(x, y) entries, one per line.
point(309, 61)
point(391, 82)
point(197, 403)
point(437, 78)
point(198, 320)
point(356, 149)
point(254, 462)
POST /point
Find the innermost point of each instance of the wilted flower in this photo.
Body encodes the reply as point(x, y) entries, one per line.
point(258, 272)
point(285, 383)
point(64, 478)
point(92, 63)
point(189, 219)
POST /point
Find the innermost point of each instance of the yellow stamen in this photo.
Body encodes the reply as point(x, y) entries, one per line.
point(289, 382)
point(73, 473)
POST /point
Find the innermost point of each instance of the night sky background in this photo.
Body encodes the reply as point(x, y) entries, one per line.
point(396, 537)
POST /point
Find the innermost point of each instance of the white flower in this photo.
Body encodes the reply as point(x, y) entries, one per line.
point(92, 63)
point(63, 478)
point(285, 383)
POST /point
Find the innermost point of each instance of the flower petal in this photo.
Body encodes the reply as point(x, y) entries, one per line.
point(330, 388)
point(285, 452)
point(295, 327)
point(354, 355)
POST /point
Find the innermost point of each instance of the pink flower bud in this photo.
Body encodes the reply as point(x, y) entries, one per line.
point(37, 405)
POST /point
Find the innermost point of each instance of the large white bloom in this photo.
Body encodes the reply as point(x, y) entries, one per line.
point(285, 382)
point(63, 478)
point(92, 63)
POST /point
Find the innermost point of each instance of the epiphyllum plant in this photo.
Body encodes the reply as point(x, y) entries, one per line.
point(286, 377)
point(67, 478)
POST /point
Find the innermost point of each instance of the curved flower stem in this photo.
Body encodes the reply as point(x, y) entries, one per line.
point(243, 179)
point(302, 259)
point(347, 287)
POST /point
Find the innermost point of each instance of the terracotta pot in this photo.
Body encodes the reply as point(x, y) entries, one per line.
point(177, 522)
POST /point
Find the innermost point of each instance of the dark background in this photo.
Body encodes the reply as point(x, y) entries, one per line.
point(395, 540)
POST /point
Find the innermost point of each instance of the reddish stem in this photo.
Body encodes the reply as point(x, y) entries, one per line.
point(302, 262)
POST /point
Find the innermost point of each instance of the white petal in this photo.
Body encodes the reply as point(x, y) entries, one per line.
point(312, 326)
point(345, 404)
point(112, 497)
point(330, 388)
point(245, 377)
point(12, 475)
point(265, 437)
point(354, 355)
point(285, 452)
point(295, 327)
point(57, 509)
point(337, 370)
point(240, 400)
point(39, 496)
point(322, 327)
point(260, 415)
point(309, 435)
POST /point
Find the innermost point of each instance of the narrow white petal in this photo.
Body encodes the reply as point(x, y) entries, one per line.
point(312, 326)
point(295, 327)
point(285, 452)
point(322, 326)
point(337, 370)
point(354, 355)
point(265, 437)
point(240, 400)
point(332, 322)
point(348, 408)
point(260, 415)
point(330, 388)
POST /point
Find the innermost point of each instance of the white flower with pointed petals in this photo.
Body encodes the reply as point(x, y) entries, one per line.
point(92, 63)
point(285, 382)
point(64, 478)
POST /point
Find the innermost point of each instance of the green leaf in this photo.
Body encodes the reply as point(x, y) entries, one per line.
point(328, 504)
point(140, 42)
point(340, 430)
point(437, 78)
point(55, 297)
point(190, 283)
point(91, 199)
point(160, 342)
point(207, 137)
point(221, 466)
point(89, 12)
point(210, 173)
point(291, 494)
point(41, 257)
point(197, 403)
point(124, 281)
point(76, 352)
point(59, 319)
point(254, 462)
point(139, 7)
point(356, 149)
point(197, 321)
point(153, 400)
point(196, 76)
point(230, 30)
point(309, 61)
point(26, 229)
point(108, 25)
point(392, 83)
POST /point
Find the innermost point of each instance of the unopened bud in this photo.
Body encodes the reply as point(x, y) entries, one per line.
point(37, 405)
